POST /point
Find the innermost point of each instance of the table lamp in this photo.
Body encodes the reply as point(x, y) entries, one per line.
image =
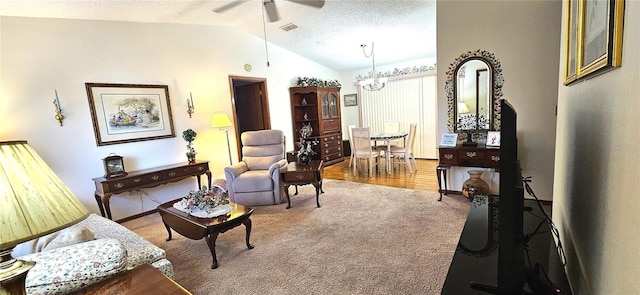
point(221, 121)
point(35, 202)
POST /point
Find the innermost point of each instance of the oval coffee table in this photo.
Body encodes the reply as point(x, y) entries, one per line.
point(197, 228)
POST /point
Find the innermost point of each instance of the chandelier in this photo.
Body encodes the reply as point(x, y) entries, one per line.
point(374, 81)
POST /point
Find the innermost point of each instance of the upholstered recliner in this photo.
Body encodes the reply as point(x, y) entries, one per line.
point(255, 180)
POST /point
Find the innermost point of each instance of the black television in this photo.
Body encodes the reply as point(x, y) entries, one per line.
point(511, 260)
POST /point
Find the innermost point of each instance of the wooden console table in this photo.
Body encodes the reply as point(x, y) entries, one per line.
point(105, 187)
point(465, 156)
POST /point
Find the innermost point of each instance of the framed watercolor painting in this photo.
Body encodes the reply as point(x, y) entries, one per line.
point(593, 38)
point(124, 113)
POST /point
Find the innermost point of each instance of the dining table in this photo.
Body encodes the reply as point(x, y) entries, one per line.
point(387, 138)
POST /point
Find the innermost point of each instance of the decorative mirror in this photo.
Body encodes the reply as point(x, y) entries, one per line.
point(474, 89)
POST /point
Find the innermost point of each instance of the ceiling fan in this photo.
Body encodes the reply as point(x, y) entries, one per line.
point(270, 7)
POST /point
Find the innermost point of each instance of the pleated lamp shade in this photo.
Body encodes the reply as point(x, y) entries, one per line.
point(33, 200)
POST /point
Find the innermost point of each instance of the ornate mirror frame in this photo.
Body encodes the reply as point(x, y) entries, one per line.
point(497, 79)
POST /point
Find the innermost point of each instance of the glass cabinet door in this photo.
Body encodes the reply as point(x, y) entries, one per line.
point(333, 106)
point(325, 106)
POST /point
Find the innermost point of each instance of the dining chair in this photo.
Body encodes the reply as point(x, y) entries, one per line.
point(349, 128)
point(404, 154)
point(362, 149)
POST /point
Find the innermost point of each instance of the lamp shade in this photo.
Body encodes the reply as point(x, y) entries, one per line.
point(220, 120)
point(462, 108)
point(34, 201)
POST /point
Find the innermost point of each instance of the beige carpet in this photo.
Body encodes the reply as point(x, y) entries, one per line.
point(365, 239)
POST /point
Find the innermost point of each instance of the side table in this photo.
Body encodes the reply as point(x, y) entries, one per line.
point(144, 279)
point(302, 174)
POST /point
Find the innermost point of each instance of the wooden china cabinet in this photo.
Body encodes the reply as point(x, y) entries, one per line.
point(318, 107)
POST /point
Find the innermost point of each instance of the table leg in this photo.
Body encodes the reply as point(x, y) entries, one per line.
point(107, 207)
point(211, 242)
point(388, 156)
point(317, 185)
point(168, 230)
point(247, 225)
point(100, 206)
point(286, 192)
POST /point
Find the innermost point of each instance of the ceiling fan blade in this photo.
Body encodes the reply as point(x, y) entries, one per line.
point(272, 12)
point(228, 6)
point(312, 3)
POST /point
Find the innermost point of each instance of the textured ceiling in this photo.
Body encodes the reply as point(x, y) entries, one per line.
point(402, 30)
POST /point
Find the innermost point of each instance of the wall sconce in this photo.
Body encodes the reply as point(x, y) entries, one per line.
point(56, 104)
point(190, 106)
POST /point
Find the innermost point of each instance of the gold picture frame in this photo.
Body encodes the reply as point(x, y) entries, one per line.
point(593, 38)
point(123, 113)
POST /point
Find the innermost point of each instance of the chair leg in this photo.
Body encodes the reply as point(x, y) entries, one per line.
point(355, 165)
point(413, 159)
point(407, 162)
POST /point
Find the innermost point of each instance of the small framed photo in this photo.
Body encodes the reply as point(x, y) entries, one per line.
point(350, 100)
point(493, 138)
point(449, 139)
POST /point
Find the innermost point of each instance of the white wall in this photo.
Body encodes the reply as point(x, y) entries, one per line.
point(524, 36)
point(596, 173)
point(43, 55)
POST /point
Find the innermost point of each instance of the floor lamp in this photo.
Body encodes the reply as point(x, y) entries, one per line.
point(221, 121)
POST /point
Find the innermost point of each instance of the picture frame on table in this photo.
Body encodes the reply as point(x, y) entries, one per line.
point(123, 113)
point(493, 139)
point(350, 100)
point(597, 27)
point(449, 140)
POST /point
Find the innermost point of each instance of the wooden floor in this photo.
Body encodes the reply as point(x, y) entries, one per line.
point(423, 179)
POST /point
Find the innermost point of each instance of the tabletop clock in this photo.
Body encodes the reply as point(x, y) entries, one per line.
point(113, 166)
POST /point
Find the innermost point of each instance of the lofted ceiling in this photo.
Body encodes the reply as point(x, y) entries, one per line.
point(332, 35)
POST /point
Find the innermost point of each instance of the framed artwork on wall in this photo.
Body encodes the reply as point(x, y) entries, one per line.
point(571, 42)
point(596, 26)
point(350, 100)
point(124, 113)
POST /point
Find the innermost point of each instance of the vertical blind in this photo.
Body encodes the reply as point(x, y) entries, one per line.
point(406, 100)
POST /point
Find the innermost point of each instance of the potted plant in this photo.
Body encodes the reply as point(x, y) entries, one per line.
point(189, 136)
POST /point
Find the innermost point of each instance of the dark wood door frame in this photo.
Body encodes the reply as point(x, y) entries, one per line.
point(257, 106)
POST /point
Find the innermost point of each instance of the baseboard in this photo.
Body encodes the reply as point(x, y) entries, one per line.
point(136, 216)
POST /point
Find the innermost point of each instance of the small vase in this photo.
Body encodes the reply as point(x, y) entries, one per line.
point(306, 130)
point(475, 185)
point(191, 157)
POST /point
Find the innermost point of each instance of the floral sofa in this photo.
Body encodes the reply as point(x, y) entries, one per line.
point(70, 268)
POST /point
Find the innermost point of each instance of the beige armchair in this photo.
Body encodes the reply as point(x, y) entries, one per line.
point(255, 180)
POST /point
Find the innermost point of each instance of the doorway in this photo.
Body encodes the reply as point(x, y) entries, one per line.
point(250, 106)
